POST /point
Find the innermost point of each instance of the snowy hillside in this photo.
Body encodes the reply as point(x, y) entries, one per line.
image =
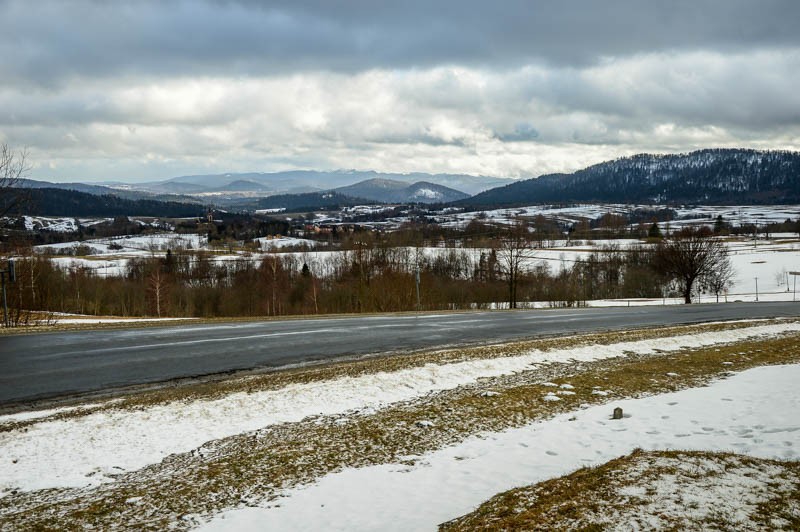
point(390, 191)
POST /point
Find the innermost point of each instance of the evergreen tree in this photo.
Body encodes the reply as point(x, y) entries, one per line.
point(719, 225)
point(654, 231)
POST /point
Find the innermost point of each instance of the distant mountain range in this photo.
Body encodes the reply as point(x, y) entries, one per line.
point(719, 176)
point(715, 176)
point(301, 181)
point(238, 191)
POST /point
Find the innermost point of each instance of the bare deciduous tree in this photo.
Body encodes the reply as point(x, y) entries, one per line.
point(513, 251)
point(12, 168)
point(692, 256)
point(720, 279)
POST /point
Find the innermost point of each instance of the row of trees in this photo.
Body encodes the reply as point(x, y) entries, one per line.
point(680, 263)
point(369, 278)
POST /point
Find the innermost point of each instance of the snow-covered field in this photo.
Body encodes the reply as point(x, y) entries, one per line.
point(285, 242)
point(57, 225)
point(71, 225)
point(753, 413)
point(132, 245)
point(109, 257)
point(687, 216)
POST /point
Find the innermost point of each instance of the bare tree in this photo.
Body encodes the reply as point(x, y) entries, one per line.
point(720, 279)
point(157, 285)
point(692, 256)
point(513, 251)
point(12, 168)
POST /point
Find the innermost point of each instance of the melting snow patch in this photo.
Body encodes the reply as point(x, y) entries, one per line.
point(379, 497)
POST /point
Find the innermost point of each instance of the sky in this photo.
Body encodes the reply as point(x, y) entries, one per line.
point(141, 90)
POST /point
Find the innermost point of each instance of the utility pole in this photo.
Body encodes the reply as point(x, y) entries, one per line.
point(9, 274)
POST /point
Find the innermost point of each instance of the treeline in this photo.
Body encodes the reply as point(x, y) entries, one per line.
point(364, 279)
point(62, 202)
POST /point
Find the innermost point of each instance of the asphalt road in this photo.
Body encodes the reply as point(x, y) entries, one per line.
point(51, 365)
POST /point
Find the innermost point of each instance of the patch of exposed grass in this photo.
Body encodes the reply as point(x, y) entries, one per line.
point(644, 490)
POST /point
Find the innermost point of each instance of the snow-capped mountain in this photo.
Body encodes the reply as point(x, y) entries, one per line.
point(391, 191)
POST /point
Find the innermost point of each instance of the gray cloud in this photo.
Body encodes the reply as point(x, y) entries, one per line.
point(514, 122)
point(50, 40)
point(149, 89)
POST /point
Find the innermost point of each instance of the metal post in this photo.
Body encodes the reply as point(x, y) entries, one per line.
point(756, 278)
point(419, 306)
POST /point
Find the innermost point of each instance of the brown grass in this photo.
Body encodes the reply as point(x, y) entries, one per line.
point(590, 498)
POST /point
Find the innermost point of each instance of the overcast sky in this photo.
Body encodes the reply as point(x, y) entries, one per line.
point(143, 89)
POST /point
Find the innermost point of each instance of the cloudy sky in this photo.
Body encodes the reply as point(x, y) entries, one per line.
point(143, 89)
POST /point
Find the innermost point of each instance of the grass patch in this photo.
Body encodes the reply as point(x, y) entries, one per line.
point(665, 490)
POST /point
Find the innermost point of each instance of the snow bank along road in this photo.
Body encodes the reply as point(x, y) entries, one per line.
point(57, 364)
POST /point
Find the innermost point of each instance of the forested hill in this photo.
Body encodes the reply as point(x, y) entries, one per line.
point(306, 202)
point(720, 176)
point(61, 202)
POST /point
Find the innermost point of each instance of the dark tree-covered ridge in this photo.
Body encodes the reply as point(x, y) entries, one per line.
point(714, 176)
point(61, 202)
